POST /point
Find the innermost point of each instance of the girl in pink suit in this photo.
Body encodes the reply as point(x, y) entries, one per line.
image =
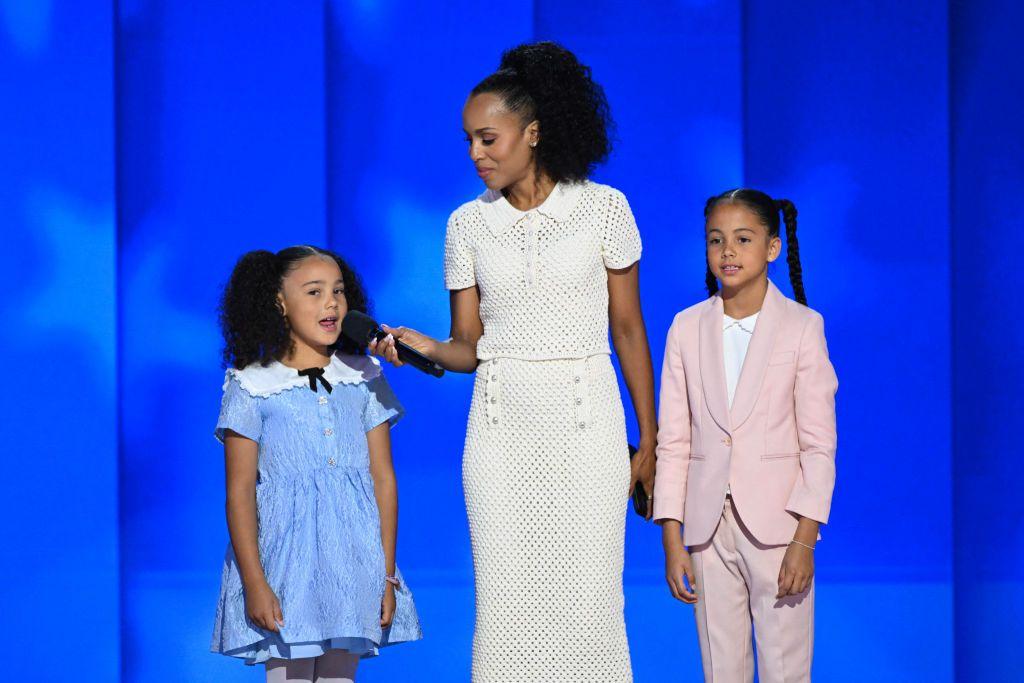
point(746, 449)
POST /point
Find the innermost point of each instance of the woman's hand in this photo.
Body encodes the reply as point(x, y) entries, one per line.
point(387, 606)
point(678, 566)
point(385, 348)
point(262, 607)
point(641, 468)
point(797, 571)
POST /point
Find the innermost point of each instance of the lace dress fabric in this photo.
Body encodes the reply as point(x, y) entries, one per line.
point(545, 467)
point(319, 527)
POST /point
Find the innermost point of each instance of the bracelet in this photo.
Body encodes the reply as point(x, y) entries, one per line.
point(393, 580)
point(809, 547)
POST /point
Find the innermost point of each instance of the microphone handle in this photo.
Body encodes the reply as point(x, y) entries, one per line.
point(409, 355)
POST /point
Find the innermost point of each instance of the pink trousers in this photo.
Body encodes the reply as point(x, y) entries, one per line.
point(737, 580)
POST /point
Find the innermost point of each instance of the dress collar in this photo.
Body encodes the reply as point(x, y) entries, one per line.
point(500, 215)
point(277, 377)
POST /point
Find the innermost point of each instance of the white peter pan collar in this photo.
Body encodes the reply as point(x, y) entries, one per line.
point(277, 377)
point(500, 215)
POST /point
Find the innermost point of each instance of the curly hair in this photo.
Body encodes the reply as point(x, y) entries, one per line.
point(767, 210)
point(544, 82)
point(254, 326)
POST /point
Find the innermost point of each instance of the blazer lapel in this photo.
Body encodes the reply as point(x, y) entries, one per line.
point(712, 363)
point(758, 354)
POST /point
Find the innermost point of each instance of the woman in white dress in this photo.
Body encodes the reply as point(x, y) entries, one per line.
point(537, 268)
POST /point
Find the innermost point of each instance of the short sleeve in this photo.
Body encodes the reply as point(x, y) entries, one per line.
point(239, 412)
point(381, 405)
point(459, 272)
point(620, 241)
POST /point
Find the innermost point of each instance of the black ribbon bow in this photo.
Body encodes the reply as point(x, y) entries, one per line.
point(315, 374)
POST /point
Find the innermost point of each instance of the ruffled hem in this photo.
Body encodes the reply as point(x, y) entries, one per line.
point(274, 647)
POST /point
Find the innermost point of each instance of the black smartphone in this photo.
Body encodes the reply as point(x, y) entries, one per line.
point(639, 496)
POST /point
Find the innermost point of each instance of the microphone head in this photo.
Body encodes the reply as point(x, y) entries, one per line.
point(359, 327)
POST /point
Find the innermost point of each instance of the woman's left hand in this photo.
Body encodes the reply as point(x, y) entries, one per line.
point(387, 606)
point(641, 467)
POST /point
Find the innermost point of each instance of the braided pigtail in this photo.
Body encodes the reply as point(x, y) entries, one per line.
point(796, 275)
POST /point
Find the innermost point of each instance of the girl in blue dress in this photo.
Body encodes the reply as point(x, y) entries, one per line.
point(309, 584)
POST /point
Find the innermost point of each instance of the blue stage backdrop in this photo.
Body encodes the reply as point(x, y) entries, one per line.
point(987, 179)
point(149, 143)
point(58, 413)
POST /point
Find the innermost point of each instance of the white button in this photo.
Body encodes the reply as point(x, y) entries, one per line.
point(328, 432)
point(322, 400)
point(332, 462)
point(583, 425)
point(495, 421)
point(579, 401)
point(576, 379)
point(494, 378)
point(494, 399)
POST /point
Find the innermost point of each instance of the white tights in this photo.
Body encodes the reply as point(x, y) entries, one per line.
point(333, 666)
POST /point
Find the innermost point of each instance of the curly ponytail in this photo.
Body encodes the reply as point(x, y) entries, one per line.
point(544, 82)
point(767, 210)
point(251, 320)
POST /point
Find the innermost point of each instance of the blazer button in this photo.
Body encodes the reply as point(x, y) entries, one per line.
point(727, 441)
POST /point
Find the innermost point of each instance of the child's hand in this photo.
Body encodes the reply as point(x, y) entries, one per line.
point(797, 571)
point(385, 348)
point(678, 567)
point(263, 608)
point(387, 606)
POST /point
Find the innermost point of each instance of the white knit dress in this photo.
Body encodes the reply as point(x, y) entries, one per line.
point(546, 469)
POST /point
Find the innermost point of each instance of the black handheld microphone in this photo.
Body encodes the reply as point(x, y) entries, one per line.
point(362, 329)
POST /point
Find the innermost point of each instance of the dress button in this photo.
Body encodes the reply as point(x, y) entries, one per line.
point(576, 379)
point(583, 425)
point(332, 462)
point(494, 399)
point(579, 401)
point(494, 420)
point(328, 432)
point(322, 400)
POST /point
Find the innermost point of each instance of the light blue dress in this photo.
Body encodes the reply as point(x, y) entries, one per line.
point(319, 528)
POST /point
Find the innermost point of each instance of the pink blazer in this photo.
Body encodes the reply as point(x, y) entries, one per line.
point(776, 447)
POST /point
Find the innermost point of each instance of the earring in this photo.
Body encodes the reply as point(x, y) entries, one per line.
point(533, 144)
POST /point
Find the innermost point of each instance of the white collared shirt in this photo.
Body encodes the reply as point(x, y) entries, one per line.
point(736, 335)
